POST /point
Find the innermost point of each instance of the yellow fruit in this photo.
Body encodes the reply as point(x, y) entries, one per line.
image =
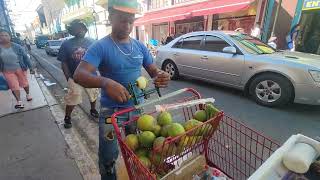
point(158, 144)
point(211, 111)
point(155, 159)
point(191, 124)
point(142, 152)
point(164, 130)
point(188, 141)
point(145, 161)
point(175, 129)
point(132, 141)
point(164, 118)
point(200, 115)
point(142, 82)
point(206, 130)
point(146, 139)
point(157, 130)
point(146, 123)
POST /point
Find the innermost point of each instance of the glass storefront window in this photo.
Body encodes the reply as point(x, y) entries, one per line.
point(189, 27)
point(309, 37)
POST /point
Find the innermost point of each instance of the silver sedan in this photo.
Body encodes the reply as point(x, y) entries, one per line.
point(271, 77)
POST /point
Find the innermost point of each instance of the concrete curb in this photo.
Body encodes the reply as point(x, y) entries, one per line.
point(78, 152)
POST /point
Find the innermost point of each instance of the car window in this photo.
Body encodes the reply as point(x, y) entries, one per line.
point(214, 44)
point(252, 44)
point(192, 42)
point(178, 44)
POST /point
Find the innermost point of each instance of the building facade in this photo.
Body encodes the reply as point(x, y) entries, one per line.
point(162, 18)
point(5, 22)
point(307, 15)
point(52, 11)
point(93, 13)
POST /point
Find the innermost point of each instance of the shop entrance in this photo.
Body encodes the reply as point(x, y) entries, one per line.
point(309, 40)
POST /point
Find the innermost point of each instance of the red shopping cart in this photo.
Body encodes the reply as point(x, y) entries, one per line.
point(227, 144)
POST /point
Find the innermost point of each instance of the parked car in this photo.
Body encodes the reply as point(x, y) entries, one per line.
point(41, 41)
point(53, 46)
point(271, 77)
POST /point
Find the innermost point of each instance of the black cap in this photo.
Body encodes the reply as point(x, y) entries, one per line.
point(74, 24)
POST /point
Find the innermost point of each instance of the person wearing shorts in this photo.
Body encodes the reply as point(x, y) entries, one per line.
point(119, 59)
point(70, 54)
point(14, 63)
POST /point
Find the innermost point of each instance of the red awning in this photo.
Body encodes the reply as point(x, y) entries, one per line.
point(198, 9)
point(222, 6)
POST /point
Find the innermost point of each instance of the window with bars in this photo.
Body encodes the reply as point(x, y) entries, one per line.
point(156, 4)
point(181, 1)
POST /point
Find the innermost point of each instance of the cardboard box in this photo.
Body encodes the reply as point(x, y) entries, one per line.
point(188, 169)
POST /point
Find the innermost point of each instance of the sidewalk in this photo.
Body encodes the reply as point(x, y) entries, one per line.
point(32, 146)
point(8, 101)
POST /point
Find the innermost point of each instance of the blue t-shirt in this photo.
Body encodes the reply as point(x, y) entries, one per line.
point(116, 65)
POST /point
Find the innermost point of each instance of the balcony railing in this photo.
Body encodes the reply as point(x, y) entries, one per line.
point(162, 4)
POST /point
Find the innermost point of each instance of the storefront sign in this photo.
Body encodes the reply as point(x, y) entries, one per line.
point(311, 5)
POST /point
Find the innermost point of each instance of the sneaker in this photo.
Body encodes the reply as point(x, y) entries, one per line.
point(94, 113)
point(29, 98)
point(67, 122)
point(19, 105)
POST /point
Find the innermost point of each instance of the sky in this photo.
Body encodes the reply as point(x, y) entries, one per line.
point(23, 12)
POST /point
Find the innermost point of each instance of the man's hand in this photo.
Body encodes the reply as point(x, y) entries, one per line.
point(162, 79)
point(116, 91)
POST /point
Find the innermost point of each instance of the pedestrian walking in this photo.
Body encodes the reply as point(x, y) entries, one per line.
point(14, 64)
point(292, 37)
point(120, 60)
point(256, 31)
point(273, 42)
point(27, 44)
point(70, 54)
point(169, 39)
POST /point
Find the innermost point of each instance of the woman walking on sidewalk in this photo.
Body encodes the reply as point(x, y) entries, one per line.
point(14, 63)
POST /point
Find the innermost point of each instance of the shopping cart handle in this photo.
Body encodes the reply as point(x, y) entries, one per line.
point(164, 97)
point(166, 107)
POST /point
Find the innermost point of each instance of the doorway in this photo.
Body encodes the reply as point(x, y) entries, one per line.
point(309, 39)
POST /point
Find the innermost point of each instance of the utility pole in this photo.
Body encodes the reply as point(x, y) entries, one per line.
point(6, 16)
point(276, 17)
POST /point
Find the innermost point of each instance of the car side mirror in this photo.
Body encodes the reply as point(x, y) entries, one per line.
point(230, 50)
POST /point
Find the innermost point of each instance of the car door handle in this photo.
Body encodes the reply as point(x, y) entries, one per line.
point(204, 57)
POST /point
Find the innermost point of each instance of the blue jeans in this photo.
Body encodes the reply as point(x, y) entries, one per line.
point(108, 145)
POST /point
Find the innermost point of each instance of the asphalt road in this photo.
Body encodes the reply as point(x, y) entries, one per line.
point(278, 124)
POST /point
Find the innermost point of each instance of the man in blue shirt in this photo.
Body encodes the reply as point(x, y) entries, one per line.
point(119, 60)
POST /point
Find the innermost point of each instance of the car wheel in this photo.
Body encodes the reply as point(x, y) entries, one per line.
point(271, 90)
point(171, 68)
point(47, 53)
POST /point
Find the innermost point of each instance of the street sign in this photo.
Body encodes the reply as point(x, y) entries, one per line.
point(311, 5)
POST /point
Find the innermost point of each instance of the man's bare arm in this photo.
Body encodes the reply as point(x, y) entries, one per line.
point(65, 70)
point(84, 75)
